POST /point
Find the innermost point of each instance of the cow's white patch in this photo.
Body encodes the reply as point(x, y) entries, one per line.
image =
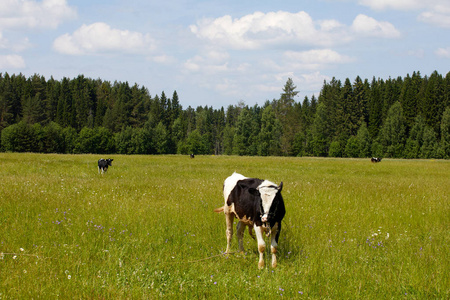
point(268, 191)
point(230, 183)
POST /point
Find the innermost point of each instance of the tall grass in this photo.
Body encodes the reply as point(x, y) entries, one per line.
point(146, 228)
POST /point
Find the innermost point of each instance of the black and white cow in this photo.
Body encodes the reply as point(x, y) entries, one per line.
point(103, 164)
point(255, 203)
point(375, 159)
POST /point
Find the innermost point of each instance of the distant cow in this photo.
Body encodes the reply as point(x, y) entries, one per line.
point(103, 164)
point(375, 159)
point(255, 203)
point(192, 155)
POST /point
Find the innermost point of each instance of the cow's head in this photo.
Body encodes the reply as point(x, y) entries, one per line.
point(109, 161)
point(268, 192)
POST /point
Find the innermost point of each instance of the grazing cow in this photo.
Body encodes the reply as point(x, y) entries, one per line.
point(255, 203)
point(375, 159)
point(192, 155)
point(103, 164)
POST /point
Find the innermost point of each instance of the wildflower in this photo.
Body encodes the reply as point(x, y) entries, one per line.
point(21, 249)
point(68, 277)
point(15, 256)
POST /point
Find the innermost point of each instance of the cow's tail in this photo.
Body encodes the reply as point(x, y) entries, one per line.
point(219, 210)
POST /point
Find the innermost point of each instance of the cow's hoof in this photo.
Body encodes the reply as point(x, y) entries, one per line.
point(261, 265)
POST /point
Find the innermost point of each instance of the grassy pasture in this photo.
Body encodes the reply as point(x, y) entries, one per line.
point(146, 229)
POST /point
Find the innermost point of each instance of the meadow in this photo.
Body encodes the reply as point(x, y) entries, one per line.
point(146, 229)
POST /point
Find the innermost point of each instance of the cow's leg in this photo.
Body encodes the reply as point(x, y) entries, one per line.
point(261, 245)
point(240, 227)
point(275, 232)
point(229, 218)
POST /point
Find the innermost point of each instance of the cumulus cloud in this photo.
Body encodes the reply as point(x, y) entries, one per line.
point(368, 26)
point(275, 29)
point(101, 38)
point(259, 29)
point(32, 14)
point(435, 12)
point(12, 61)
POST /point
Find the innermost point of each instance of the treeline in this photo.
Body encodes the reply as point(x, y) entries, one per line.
point(401, 118)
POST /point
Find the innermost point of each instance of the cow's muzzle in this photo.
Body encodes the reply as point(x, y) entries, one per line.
point(264, 218)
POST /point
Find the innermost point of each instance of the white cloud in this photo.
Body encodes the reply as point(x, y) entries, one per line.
point(368, 26)
point(435, 12)
point(211, 61)
point(101, 38)
point(435, 18)
point(317, 57)
point(259, 29)
point(443, 52)
point(205, 65)
point(33, 14)
point(12, 61)
point(275, 29)
point(393, 4)
point(164, 59)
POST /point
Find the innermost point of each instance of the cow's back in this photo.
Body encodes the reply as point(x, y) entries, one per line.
point(230, 183)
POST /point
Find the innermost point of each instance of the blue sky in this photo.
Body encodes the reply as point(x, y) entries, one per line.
point(218, 53)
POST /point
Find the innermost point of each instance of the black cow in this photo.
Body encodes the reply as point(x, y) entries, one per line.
point(103, 164)
point(192, 155)
point(255, 203)
point(375, 159)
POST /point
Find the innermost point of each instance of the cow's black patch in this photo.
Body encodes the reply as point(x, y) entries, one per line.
point(248, 203)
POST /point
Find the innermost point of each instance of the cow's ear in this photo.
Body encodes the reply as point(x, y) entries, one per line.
point(253, 191)
point(280, 187)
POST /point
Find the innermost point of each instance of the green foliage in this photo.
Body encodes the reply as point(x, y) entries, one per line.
point(335, 149)
point(445, 132)
point(347, 119)
point(352, 148)
point(364, 141)
point(393, 132)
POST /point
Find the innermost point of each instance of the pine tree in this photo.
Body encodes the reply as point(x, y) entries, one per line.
point(33, 111)
point(445, 133)
point(270, 134)
point(364, 141)
point(415, 139)
point(375, 108)
point(433, 101)
point(430, 146)
point(393, 132)
point(320, 132)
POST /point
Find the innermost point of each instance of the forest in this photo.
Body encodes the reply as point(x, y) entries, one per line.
point(405, 117)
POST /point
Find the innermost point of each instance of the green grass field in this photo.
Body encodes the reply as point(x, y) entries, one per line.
point(146, 229)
